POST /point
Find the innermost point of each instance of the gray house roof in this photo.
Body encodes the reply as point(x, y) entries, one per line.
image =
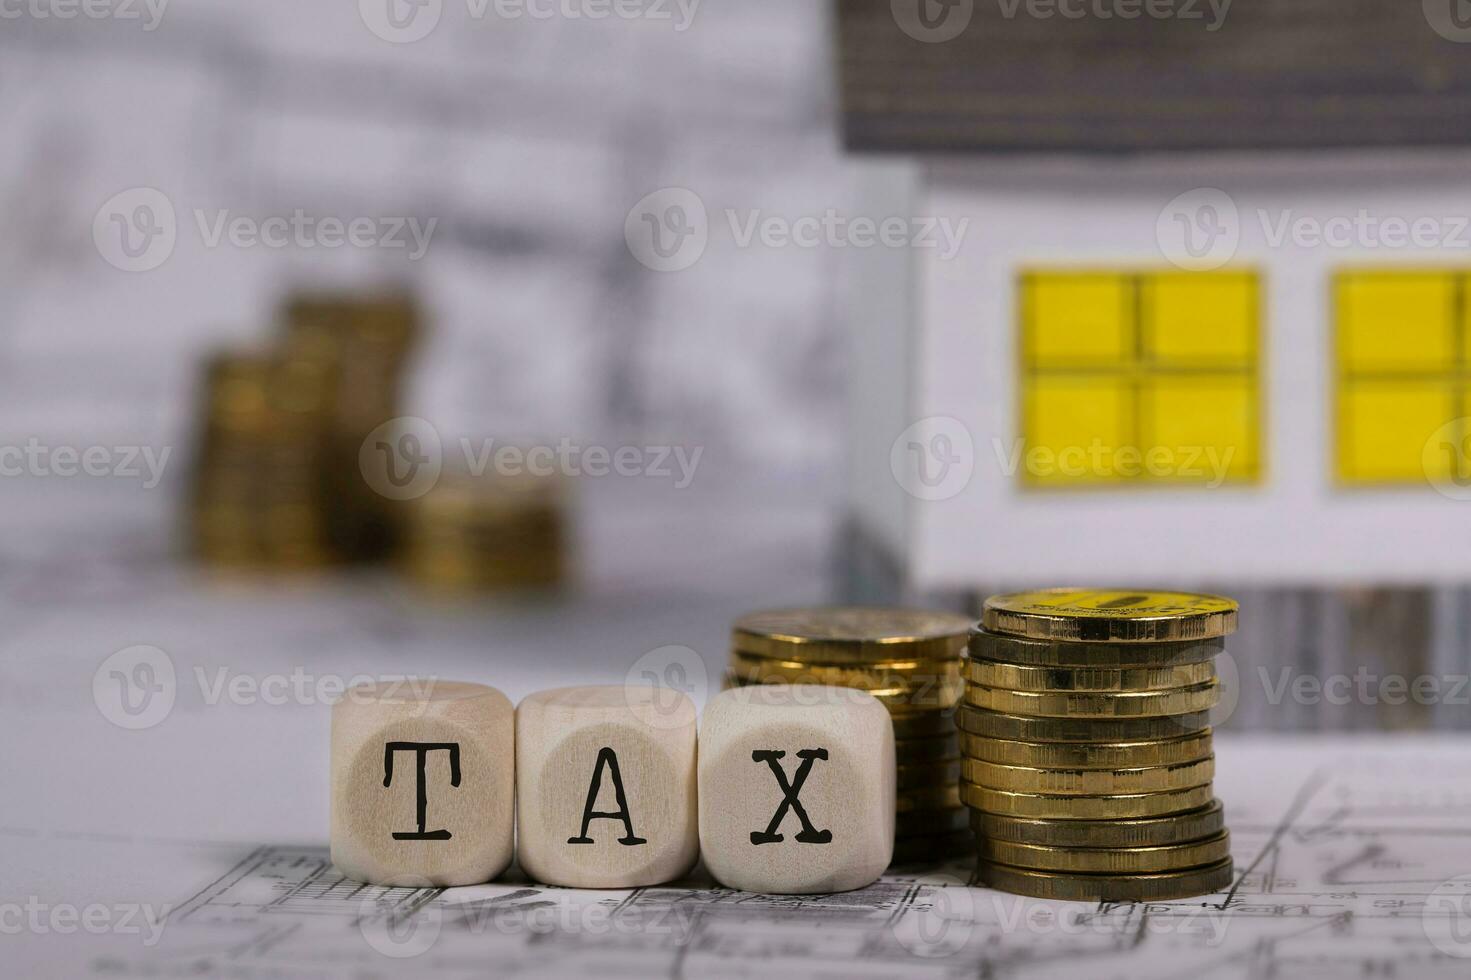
point(1153, 75)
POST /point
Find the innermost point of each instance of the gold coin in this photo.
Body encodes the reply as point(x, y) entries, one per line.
point(928, 774)
point(1139, 832)
point(929, 823)
point(911, 751)
point(1030, 652)
point(1087, 755)
point(1108, 860)
point(919, 850)
point(927, 798)
point(996, 724)
point(1106, 616)
point(1107, 888)
point(1015, 677)
point(903, 704)
point(928, 679)
point(1075, 704)
point(1058, 807)
point(854, 634)
point(1089, 782)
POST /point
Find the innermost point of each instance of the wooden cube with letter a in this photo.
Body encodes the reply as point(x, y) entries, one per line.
point(605, 782)
point(423, 783)
point(796, 788)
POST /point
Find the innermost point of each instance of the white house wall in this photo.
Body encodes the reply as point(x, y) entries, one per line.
point(1293, 527)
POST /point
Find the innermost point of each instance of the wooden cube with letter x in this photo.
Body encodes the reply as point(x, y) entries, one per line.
point(605, 786)
point(423, 783)
point(796, 788)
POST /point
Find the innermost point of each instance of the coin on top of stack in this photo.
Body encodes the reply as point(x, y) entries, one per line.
point(908, 659)
point(1086, 744)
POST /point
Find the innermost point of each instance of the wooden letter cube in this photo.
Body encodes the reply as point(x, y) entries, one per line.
point(423, 783)
point(796, 788)
point(605, 786)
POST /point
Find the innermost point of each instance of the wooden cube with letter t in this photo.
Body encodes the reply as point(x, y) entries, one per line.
point(606, 786)
point(796, 788)
point(423, 783)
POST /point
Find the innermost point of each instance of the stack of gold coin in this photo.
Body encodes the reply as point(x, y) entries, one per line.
point(368, 339)
point(909, 660)
point(1086, 743)
point(492, 532)
point(258, 498)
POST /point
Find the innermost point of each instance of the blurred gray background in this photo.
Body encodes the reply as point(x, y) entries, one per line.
point(527, 140)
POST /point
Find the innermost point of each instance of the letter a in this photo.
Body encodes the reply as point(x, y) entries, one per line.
point(606, 757)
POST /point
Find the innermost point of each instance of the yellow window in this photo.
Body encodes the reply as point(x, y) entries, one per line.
point(1396, 321)
point(1076, 319)
point(1383, 428)
point(1139, 378)
point(1403, 375)
point(1076, 424)
point(1208, 321)
point(1202, 429)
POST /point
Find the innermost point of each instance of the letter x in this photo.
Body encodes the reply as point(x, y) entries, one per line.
point(809, 834)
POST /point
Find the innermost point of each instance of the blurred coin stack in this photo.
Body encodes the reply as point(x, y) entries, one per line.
point(470, 533)
point(259, 499)
point(277, 482)
point(367, 339)
point(1086, 744)
point(909, 660)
